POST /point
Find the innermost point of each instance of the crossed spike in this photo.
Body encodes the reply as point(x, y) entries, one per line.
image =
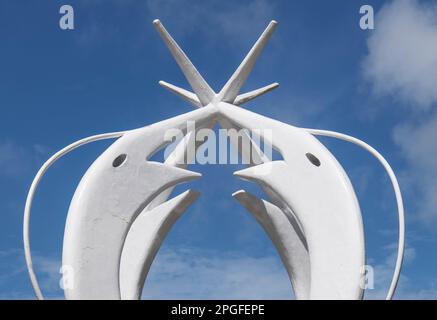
point(203, 94)
point(120, 214)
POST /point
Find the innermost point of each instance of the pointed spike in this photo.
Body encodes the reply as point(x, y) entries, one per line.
point(248, 200)
point(183, 154)
point(245, 97)
point(239, 193)
point(186, 200)
point(144, 239)
point(246, 174)
point(288, 240)
point(187, 175)
point(175, 174)
point(262, 172)
point(253, 204)
point(175, 159)
point(197, 83)
point(178, 204)
point(234, 84)
point(188, 96)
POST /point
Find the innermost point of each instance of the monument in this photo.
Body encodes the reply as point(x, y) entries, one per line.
point(120, 212)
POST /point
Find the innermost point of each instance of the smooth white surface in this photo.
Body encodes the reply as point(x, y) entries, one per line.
point(203, 94)
point(184, 94)
point(282, 231)
point(144, 239)
point(84, 141)
point(398, 195)
point(200, 87)
point(31, 194)
point(231, 89)
point(108, 200)
point(137, 254)
point(321, 198)
point(246, 97)
point(119, 216)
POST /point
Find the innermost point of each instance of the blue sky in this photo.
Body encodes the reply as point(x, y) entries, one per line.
point(378, 85)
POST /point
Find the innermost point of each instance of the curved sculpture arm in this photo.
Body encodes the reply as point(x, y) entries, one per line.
point(395, 184)
point(32, 191)
point(281, 229)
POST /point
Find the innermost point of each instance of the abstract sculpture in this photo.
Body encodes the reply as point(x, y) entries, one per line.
point(120, 214)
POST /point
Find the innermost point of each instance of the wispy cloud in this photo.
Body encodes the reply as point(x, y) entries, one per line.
point(13, 271)
point(186, 273)
point(13, 159)
point(16, 160)
point(402, 59)
point(402, 63)
point(189, 273)
point(406, 289)
point(417, 142)
point(49, 268)
point(11, 265)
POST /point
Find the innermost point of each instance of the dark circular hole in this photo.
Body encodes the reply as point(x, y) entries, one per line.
point(313, 159)
point(119, 160)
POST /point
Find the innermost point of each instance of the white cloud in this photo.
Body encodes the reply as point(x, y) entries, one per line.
point(402, 59)
point(402, 63)
point(13, 271)
point(418, 145)
point(49, 269)
point(13, 159)
point(17, 160)
point(10, 265)
point(195, 274)
point(406, 288)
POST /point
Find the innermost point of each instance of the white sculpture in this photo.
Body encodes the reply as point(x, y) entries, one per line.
point(120, 214)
